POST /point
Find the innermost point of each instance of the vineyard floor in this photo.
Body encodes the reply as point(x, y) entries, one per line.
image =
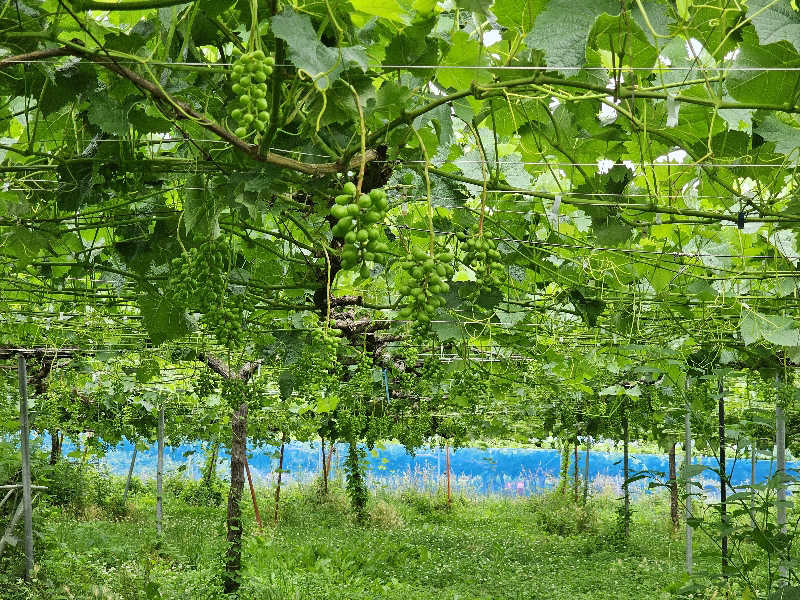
point(411, 548)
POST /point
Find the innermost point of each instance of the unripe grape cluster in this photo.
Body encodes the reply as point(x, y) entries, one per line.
point(197, 277)
point(327, 344)
point(357, 223)
point(250, 73)
point(233, 392)
point(422, 296)
point(482, 256)
point(198, 283)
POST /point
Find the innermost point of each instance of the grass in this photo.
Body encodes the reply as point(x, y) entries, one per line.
point(413, 547)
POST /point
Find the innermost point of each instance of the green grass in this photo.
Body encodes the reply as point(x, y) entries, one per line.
point(412, 548)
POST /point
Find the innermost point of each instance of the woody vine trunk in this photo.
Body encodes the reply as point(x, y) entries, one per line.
point(233, 559)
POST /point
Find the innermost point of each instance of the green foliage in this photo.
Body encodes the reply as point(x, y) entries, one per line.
point(317, 553)
point(201, 492)
point(356, 485)
point(559, 514)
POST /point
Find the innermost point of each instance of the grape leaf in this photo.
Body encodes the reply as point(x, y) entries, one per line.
point(322, 63)
point(774, 21)
point(562, 29)
point(518, 15)
point(785, 136)
point(751, 83)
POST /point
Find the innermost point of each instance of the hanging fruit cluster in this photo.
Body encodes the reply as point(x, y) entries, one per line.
point(423, 294)
point(234, 392)
point(358, 225)
point(198, 283)
point(250, 73)
point(482, 256)
point(327, 344)
point(197, 278)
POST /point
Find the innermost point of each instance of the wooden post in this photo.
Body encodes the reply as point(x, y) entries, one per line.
point(253, 493)
point(160, 472)
point(130, 474)
point(575, 478)
point(723, 475)
point(687, 449)
point(626, 468)
point(324, 469)
point(586, 470)
point(447, 466)
point(233, 558)
point(280, 473)
point(673, 488)
point(331, 450)
point(24, 429)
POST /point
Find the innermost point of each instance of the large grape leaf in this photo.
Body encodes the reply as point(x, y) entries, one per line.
point(774, 21)
point(517, 15)
point(775, 329)
point(200, 214)
point(786, 137)
point(318, 61)
point(464, 54)
point(752, 81)
point(162, 320)
point(562, 29)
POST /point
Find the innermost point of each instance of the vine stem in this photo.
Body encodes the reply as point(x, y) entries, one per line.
point(82, 5)
point(431, 238)
point(254, 43)
point(327, 287)
point(484, 165)
point(363, 164)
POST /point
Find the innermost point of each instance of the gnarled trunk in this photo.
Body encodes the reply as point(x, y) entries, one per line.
point(673, 489)
point(233, 558)
point(55, 446)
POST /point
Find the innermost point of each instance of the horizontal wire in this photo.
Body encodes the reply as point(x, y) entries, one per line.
point(654, 69)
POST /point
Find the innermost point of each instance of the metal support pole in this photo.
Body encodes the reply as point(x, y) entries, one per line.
point(780, 500)
point(447, 460)
point(25, 432)
point(687, 449)
point(723, 475)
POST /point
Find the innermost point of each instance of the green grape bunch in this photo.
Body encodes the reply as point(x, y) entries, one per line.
point(198, 282)
point(358, 224)
point(482, 256)
point(422, 296)
point(327, 345)
point(197, 279)
point(234, 392)
point(249, 76)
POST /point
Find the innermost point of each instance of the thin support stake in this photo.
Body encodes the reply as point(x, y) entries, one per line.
point(586, 470)
point(130, 475)
point(24, 429)
point(253, 493)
